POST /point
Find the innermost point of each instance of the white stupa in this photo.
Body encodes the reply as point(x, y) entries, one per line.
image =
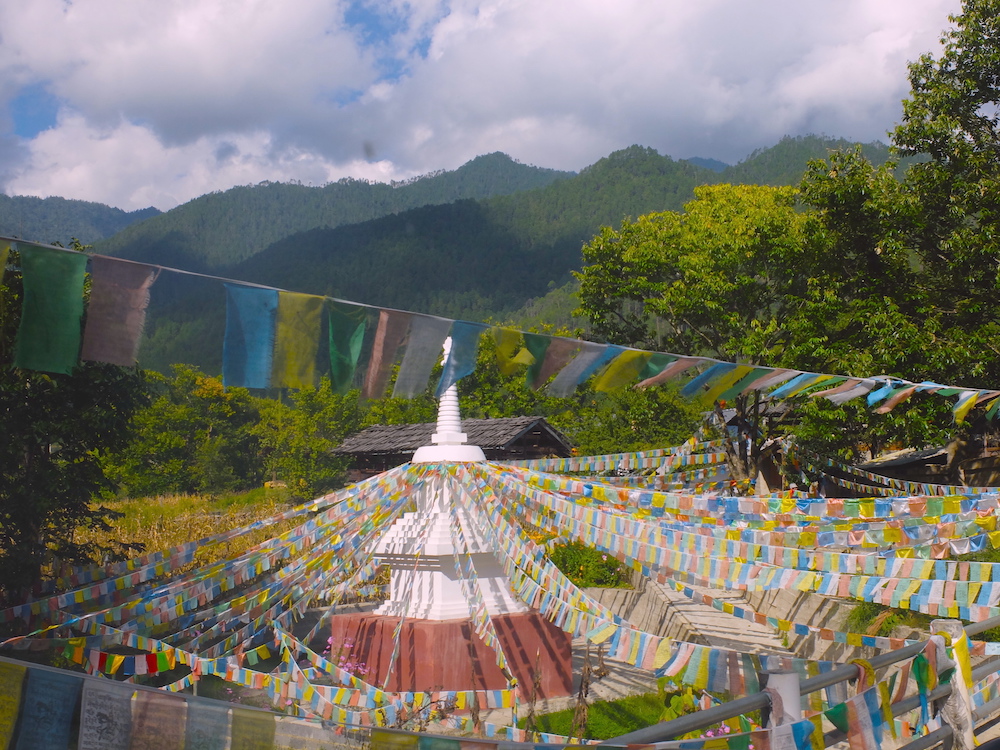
point(419, 547)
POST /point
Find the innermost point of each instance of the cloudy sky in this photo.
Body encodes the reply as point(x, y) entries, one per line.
point(154, 102)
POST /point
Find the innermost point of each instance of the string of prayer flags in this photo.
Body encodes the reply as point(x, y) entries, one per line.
point(392, 328)
point(48, 337)
point(423, 351)
point(347, 334)
point(461, 359)
point(116, 315)
point(248, 347)
point(296, 340)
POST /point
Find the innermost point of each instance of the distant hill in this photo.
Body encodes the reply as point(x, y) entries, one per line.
point(223, 228)
point(53, 220)
point(785, 162)
point(714, 164)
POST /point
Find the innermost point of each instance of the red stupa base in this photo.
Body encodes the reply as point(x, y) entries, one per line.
point(448, 655)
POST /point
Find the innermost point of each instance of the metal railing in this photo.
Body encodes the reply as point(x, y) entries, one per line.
point(679, 727)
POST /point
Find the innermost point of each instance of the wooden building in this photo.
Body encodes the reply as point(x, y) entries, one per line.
point(381, 447)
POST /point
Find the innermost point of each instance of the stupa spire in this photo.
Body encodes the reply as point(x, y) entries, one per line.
point(448, 442)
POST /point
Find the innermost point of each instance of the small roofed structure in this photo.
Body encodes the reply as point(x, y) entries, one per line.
point(381, 447)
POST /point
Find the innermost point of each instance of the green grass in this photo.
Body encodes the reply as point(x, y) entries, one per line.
point(158, 523)
point(607, 719)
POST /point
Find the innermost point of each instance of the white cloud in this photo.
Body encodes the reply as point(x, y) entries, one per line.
point(127, 165)
point(154, 90)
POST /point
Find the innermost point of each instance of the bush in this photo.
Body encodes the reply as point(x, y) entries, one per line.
point(587, 566)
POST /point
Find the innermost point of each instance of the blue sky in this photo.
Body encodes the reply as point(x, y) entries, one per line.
point(154, 102)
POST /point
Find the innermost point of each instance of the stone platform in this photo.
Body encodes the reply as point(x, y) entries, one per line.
point(448, 655)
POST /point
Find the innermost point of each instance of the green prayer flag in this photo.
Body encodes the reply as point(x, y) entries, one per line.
point(347, 334)
point(654, 366)
point(536, 344)
point(49, 335)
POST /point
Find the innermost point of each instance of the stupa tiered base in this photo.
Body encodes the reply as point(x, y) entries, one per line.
point(448, 655)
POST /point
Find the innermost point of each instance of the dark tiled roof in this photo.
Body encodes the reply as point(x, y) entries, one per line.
point(906, 457)
point(486, 433)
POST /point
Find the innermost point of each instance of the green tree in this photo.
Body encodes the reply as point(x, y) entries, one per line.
point(56, 427)
point(297, 440)
point(195, 436)
point(720, 279)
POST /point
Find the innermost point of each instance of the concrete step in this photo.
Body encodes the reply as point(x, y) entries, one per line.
point(659, 609)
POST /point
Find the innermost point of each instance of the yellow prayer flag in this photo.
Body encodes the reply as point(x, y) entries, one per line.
point(11, 683)
point(600, 636)
point(663, 651)
point(296, 340)
point(623, 370)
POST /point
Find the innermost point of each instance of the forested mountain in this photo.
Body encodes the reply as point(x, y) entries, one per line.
point(468, 259)
point(58, 219)
point(223, 228)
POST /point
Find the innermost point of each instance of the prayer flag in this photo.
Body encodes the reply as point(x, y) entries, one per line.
point(248, 348)
point(462, 358)
point(537, 345)
point(392, 328)
point(559, 352)
point(510, 353)
point(623, 370)
point(423, 351)
point(347, 334)
point(207, 725)
point(50, 700)
point(11, 683)
point(669, 371)
point(252, 730)
point(964, 405)
point(158, 721)
point(106, 715)
point(297, 340)
point(715, 371)
point(590, 356)
point(116, 314)
point(48, 338)
point(4, 252)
